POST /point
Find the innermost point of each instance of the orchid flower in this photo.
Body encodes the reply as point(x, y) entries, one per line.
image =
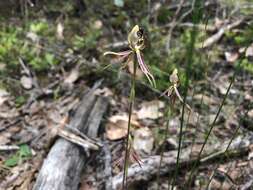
point(172, 90)
point(133, 156)
point(136, 43)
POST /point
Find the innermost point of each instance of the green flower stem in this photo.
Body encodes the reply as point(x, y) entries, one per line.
point(179, 143)
point(132, 96)
point(163, 146)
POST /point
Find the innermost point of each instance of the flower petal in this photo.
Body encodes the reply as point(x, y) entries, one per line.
point(123, 53)
point(145, 69)
point(180, 98)
point(167, 92)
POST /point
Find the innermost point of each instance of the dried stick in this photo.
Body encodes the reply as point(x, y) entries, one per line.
point(150, 165)
point(217, 36)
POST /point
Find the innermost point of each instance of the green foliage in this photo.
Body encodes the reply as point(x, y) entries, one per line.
point(246, 65)
point(163, 15)
point(13, 44)
point(235, 4)
point(39, 27)
point(88, 40)
point(66, 6)
point(25, 151)
point(20, 100)
point(21, 155)
point(244, 38)
point(8, 41)
point(12, 161)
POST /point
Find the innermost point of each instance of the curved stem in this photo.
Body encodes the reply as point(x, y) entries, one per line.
point(132, 96)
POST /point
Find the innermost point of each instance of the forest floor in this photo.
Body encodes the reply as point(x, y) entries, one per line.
point(48, 58)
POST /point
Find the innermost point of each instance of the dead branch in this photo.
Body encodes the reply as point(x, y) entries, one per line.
point(8, 147)
point(62, 168)
point(173, 24)
point(217, 36)
point(150, 165)
point(107, 166)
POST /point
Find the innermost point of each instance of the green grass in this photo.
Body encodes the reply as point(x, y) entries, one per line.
point(14, 44)
point(20, 156)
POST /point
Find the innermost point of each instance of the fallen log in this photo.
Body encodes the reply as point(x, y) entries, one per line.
point(150, 165)
point(62, 168)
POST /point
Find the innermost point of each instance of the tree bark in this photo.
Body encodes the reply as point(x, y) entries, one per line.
point(62, 168)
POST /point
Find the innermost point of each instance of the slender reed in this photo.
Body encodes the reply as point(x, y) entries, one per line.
point(227, 148)
point(131, 98)
point(163, 144)
point(196, 163)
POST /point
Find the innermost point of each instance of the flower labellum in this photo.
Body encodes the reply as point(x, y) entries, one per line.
point(172, 90)
point(136, 43)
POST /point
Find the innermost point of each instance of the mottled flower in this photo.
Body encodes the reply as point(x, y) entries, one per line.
point(172, 90)
point(133, 156)
point(136, 43)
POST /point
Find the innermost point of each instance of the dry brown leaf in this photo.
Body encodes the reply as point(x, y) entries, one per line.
point(26, 82)
point(250, 114)
point(9, 113)
point(218, 22)
point(206, 99)
point(33, 36)
point(217, 185)
point(59, 31)
point(124, 117)
point(54, 115)
point(4, 96)
point(249, 51)
point(72, 77)
point(115, 131)
point(150, 110)
point(231, 57)
point(98, 24)
point(250, 156)
point(143, 141)
point(242, 49)
point(116, 128)
point(247, 96)
point(191, 118)
point(223, 85)
point(5, 138)
point(2, 66)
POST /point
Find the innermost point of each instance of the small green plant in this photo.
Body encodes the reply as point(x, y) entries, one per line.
point(246, 65)
point(21, 155)
point(88, 40)
point(8, 42)
point(242, 38)
point(13, 44)
point(40, 28)
point(20, 100)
